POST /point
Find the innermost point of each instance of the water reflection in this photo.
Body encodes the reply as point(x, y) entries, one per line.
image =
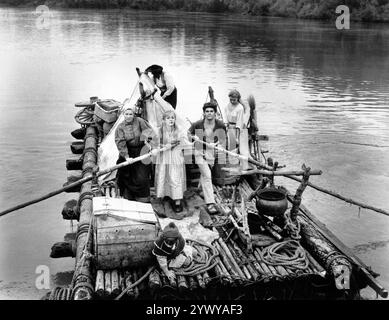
point(322, 96)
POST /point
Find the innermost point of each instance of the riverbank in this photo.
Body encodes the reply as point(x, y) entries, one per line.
point(360, 10)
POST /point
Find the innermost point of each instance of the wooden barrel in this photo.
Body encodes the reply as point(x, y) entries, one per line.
point(221, 177)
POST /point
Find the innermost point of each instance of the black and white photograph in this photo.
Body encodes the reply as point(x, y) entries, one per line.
point(194, 155)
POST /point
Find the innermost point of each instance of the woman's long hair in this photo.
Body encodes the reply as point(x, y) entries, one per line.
point(163, 129)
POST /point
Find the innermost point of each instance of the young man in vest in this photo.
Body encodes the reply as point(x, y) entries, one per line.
point(212, 131)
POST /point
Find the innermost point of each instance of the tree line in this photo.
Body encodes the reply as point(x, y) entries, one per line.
point(360, 10)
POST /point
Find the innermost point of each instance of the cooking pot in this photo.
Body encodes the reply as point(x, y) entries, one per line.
point(271, 202)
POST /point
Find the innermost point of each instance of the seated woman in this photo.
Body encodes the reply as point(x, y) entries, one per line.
point(134, 179)
point(170, 176)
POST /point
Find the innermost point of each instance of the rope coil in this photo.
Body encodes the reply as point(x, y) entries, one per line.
point(201, 264)
point(289, 254)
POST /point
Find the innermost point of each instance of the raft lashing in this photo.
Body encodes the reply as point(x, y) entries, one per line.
point(272, 265)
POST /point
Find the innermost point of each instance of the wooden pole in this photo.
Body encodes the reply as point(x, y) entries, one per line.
point(331, 193)
point(337, 195)
point(270, 173)
point(85, 179)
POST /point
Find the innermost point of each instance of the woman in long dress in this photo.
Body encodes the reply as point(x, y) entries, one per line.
point(130, 137)
point(237, 124)
point(170, 175)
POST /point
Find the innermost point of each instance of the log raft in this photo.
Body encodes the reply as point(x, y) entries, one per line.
point(241, 269)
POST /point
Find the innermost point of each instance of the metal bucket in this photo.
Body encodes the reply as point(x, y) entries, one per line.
point(271, 202)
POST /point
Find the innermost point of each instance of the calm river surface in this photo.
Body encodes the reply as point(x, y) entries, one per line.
point(322, 97)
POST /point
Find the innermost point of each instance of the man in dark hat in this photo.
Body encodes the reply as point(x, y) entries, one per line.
point(213, 131)
point(164, 81)
point(169, 246)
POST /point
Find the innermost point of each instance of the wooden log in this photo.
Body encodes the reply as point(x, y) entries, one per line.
point(239, 261)
point(70, 210)
point(192, 284)
point(273, 233)
point(63, 249)
point(222, 271)
point(182, 284)
point(225, 260)
point(79, 133)
point(115, 282)
point(265, 220)
point(74, 164)
point(262, 264)
point(121, 281)
point(200, 280)
point(244, 259)
point(206, 278)
point(299, 192)
point(367, 274)
point(83, 270)
point(325, 253)
point(127, 283)
point(71, 180)
point(315, 265)
point(99, 287)
point(70, 236)
point(77, 147)
point(107, 283)
point(154, 281)
point(257, 266)
point(246, 230)
point(142, 286)
point(260, 237)
point(113, 192)
point(233, 262)
point(281, 270)
point(136, 288)
point(273, 270)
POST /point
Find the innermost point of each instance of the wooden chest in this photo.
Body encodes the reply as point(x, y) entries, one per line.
point(124, 234)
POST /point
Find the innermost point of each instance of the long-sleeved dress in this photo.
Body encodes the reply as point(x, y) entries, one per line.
point(170, 174)
point(134, 179)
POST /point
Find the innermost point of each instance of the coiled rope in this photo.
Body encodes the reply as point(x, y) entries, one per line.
point(201, 264)
point(289, 254)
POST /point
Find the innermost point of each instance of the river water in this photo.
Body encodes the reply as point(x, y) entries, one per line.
point(322, 96)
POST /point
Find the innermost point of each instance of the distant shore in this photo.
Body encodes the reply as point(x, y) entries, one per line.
point(360, 10)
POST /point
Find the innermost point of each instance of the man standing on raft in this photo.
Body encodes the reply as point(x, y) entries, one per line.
point(212, 131)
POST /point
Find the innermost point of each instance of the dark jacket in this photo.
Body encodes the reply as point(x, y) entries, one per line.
point(160, 248)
